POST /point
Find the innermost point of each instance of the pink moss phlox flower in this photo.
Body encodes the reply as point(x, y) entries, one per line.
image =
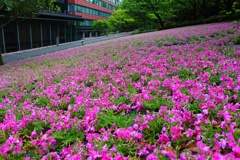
point(163, 138)
point(51, 156)
point(73, 157)
point(66, 151)
point(143, 125)
point(203, 147)
point(2, 106)
point(13, 145)
point(146, 96)
point(128, 134)
point(169, 153)
point(120, 157)
point(144, 151)
point(104, 153)
point(176, 132)
point(33, 134)
point(92, 136)
point(236, 150)
point(223, 143)
point(152, 157)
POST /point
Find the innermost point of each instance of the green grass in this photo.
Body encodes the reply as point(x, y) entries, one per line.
point(109, 117)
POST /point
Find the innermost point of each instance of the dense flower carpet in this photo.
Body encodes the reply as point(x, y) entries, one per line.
point(172, 94)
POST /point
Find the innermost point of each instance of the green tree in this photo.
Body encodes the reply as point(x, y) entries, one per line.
point(121, 21)
point(161, 9)
point(194, 8)
point(226, 5)
point(100, 25)
point(140, 16)
point(12, 9)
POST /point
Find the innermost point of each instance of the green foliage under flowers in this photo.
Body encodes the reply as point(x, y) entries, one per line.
point(192, 39)
point(121, 100)
point(154, 104)
point(126, 148)
point(169, 41)
point(106, 79)
point(2, 114)
point(209, 131)
point(232, 93)
point(135, 77)
point(13, 157)
point(177, 145)
point(185, 74)
point(151, 134)
point(30, 87)
point(122, 120)
point(3, 137)
point(88, 84)
point(37, 126)
point(3, 94)
point(80, 114)
point(43, 102)
point(67, 137)
point(215, 79)
point(123, 63)
point(236, 134)
point(131, 90)
point(236, 40)
point(194, 107)
point(57, 80)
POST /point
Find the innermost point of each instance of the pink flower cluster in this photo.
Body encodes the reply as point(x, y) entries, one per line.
point(185, 98)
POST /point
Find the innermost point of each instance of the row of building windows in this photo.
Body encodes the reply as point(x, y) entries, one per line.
point(86, 22)
point(102, 4)
point(115, 1)
point(86, 10)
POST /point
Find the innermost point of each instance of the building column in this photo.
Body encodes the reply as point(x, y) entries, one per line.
point(58, 30)
point(90, 34)
point(41, 35)
point(30, 30)
point(58, 38)
point(76, 34)
point(83, 35)
point(65, 32)
point(50, 31)
point(3, 39)
point(96, 34)
point(71, 33)
point(18, 35)
point(107, 32)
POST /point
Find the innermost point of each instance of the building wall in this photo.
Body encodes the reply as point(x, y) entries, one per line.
point(27, 34)
point(92, 9)
point(88, 16)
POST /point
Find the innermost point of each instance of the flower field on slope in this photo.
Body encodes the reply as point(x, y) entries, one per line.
point(172, 94)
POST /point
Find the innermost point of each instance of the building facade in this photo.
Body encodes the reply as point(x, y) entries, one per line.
point(92, 9)
point(72, 24)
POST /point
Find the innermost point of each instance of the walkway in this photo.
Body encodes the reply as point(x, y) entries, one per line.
point(10, 57)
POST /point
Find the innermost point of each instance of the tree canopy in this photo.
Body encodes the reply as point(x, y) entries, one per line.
point(100, 25)
point(120, 20)
point(13, 9)
point(161, 13)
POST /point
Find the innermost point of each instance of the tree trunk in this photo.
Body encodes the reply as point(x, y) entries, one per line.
point(159, 19)
point(1, 59)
